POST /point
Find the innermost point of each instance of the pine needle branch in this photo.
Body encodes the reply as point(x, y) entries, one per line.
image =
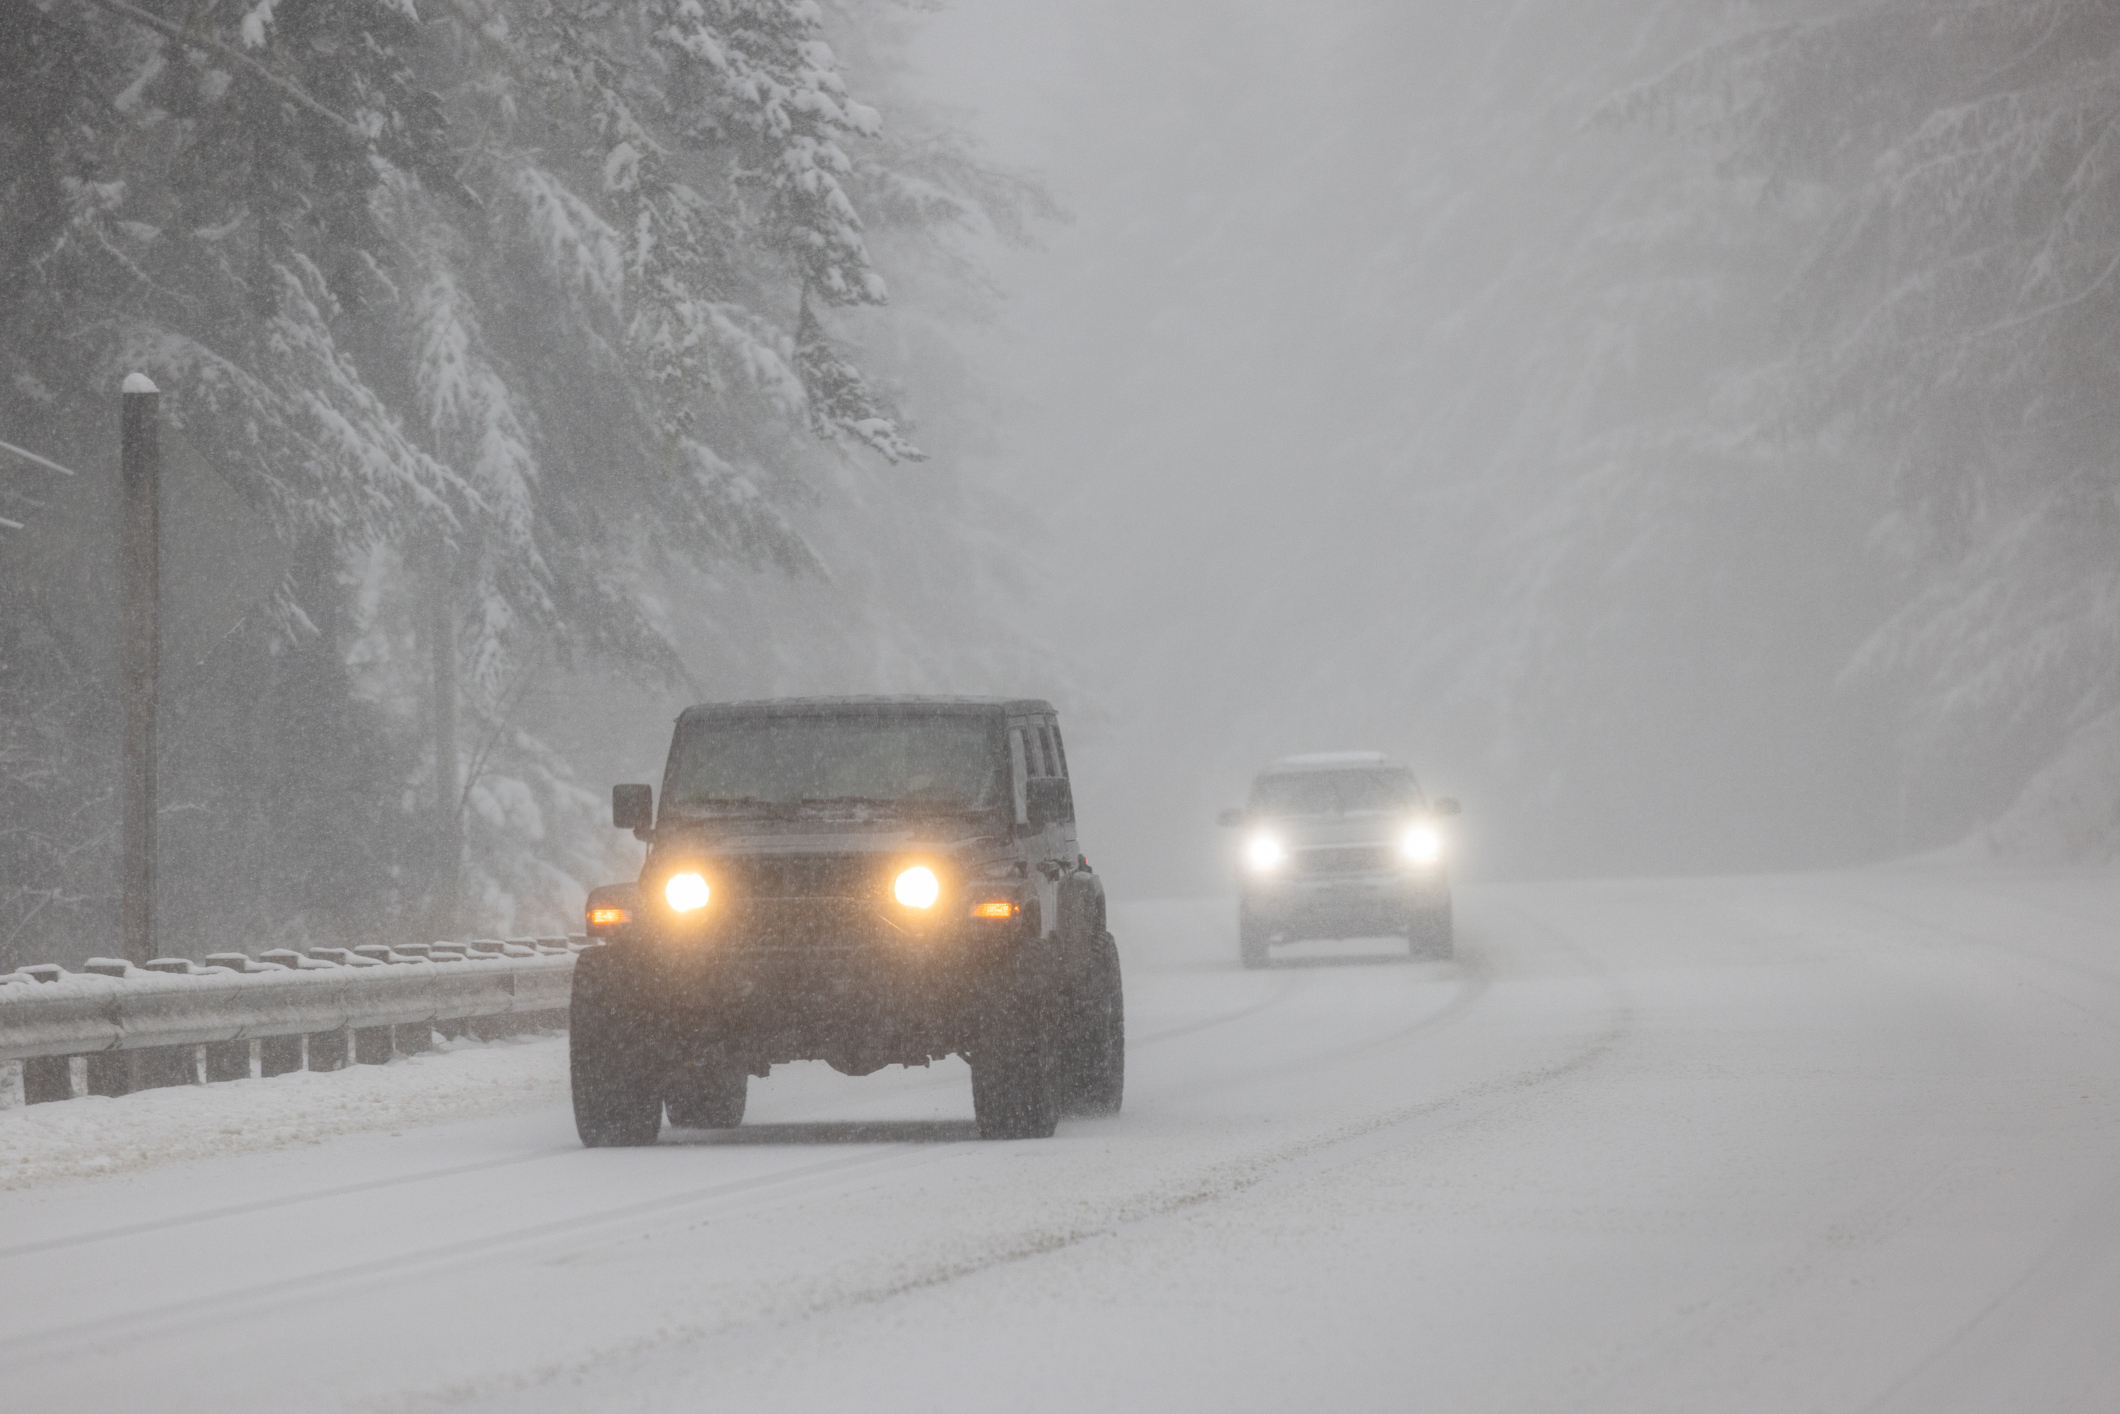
point(285, 86)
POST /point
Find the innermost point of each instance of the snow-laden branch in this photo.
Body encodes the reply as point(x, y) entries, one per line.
point(284, 86)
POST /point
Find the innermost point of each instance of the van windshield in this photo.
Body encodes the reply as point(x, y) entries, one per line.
point(1334, 792)
point(953, 760)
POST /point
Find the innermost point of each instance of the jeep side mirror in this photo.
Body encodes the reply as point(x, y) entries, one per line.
point(1229, 819)
point(1448, 806)
point(633, 807)
point(1048, 800)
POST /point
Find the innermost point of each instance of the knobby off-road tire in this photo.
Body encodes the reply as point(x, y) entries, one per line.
point(1433, 934)
point(707, 1094)
point(1015, 1090)
point(1093, 1075)
point(611, 1057)
point(1251, 940)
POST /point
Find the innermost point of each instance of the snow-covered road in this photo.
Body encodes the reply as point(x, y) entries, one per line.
point(1840, 1142)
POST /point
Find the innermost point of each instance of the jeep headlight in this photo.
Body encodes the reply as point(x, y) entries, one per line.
point(1263, 852)
point(1422, 844)
point(917, 887)
point(687, 892)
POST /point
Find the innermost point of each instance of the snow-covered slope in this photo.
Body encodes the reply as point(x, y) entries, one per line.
point(2069, 812)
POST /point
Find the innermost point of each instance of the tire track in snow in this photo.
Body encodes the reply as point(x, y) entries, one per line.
point(748, 1191)
point(2103, 977)
point(2026, 1347)
point(697, 1204)
point(1164, 1196)
point(234, 1210)
point(1286, 1165)
point(2078, 1261)
point(309, 1287)
point(239, 1210)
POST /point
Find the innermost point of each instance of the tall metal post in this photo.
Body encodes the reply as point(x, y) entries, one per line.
point(140, 468)
point(448, 785)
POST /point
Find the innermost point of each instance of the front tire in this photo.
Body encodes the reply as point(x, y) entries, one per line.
point(611, 1057)
point(1434, 933)
point(1015, 1091)
point(1251, 940)
point(1093, 1078)
point(707, 1094)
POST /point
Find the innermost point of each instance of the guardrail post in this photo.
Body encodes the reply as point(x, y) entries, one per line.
point(110, 1073)
point(116, 1073)
point(327, 1050)
point(278, 1055)
point(159, 1067)
point(228, 1060)
point(46, 1078)
point(371, 1045)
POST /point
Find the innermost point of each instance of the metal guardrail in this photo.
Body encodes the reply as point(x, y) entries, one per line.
point(315, 1011)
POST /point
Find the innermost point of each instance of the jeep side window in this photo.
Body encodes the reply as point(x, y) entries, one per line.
point(1017, 775)
point(1031, 751)
point(1045, 750)
point(1059, 749)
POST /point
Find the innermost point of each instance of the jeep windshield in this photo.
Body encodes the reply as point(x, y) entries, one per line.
point(1334, 793)
point(790, 763)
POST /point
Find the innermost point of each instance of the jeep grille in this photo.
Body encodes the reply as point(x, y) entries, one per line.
point(1345, 859)
point(787, 876)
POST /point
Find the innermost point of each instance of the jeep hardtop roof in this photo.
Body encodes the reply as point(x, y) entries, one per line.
point(828, 706)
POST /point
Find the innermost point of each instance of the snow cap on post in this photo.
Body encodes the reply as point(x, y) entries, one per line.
point(138, 383)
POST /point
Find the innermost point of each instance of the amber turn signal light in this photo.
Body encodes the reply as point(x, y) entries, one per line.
point(605, 919)
point(995, 908)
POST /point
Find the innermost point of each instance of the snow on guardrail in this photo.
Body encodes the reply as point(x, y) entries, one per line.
point(49, 1015)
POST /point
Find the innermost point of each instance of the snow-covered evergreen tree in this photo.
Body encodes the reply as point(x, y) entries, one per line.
point(1956, 325)
point(507, 313)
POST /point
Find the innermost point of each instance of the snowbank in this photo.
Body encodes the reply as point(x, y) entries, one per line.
point(78, 1138)
point(2069, 813)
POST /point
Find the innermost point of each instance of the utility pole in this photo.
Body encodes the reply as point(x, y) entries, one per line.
point(139, 546)
point(448, 785)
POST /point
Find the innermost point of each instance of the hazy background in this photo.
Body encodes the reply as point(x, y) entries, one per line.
point(1392, 383)
point(1278, 392)
point(1680, 430)
point(1402, 383)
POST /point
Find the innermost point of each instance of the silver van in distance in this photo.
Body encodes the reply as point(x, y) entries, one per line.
point(1342, 844)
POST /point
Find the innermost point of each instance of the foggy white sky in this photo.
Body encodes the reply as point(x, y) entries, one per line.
point(1352, 298)
point(1208, 360)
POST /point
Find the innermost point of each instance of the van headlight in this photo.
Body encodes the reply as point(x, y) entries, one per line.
point(1263, 852)
point(1422, 844)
